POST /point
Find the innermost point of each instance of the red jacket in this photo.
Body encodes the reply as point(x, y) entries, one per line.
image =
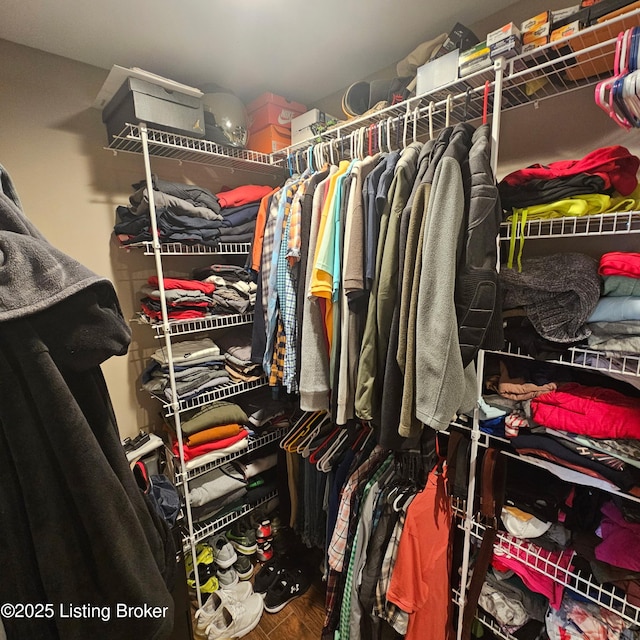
point(615, 165)
point(592, 411)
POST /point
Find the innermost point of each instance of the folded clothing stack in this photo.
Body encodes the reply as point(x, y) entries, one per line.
point(239, 210)
point(211, 432)
point(235, 291)
point(615, 322)
point(188, 214)
point(186, 299)
point(198, 366)
point(236, 346)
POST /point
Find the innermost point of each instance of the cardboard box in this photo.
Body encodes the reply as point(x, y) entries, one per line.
point(534, 23)
point(563, 14)
point(437, 73)
point(564, 32)
point(508, 48)
point(302, 126)
point(270, 139)
point(542, 31)
point(502, 34)
point(534, 44)
point(141, 101)
point(272, 109)
point(479, 51)
point(460, 37)
point(478, 64)
point(605, 8)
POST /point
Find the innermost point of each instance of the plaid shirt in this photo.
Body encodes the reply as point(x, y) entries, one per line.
point(276, 372)
point(267, 248)
point(384, 609)
point(338, 544)
point(271, 318)
point(294, 238)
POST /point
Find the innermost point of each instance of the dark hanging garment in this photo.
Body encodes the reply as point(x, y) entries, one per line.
point(76, 528)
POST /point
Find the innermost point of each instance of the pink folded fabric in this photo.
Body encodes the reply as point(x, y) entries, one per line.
point(620, 544)
point(620, 263)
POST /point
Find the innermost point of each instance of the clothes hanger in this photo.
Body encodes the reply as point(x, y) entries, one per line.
point(389, 121)
point(404, 128)
point(299, 429)
point(447, 110)
point(416, 113)
point(304, 442)
point(467, 100)
point(315, 456)
point(325, 463)
point(362, 132)
point(318, 436)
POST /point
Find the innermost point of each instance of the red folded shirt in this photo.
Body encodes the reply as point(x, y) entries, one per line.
point(615, 165)
point(242, 195)
point(620, 263)
point(189, 285)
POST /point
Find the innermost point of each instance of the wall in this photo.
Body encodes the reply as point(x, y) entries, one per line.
point(51, 143)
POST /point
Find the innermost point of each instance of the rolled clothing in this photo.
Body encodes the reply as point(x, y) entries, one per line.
point(215, 484)
point(616, 309)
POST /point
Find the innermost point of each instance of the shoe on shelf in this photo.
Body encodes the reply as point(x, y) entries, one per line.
point(243, 538)
point(227, 577)
point(263, 531)
point(212, 607)
point(288, 585)
point(265, 552)
point(243, 567)
point(236, 619)
point(206, 569)
point(223, 552)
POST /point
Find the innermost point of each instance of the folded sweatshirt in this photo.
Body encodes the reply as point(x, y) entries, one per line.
point(242, 195)
point(188, 352)
point(620, 263)
point(193, 452)
point(213, 434)
point(215, 483)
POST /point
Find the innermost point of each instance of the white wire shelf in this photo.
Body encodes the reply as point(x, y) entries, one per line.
point(487, 440)
point(217, 393)
point(605, 224)
point(211, 527)
point(209, 323)
point(608, 597)
point(179, 249)
point(254, 444)
point(557, 68)
point(170, 145)
point(628, 365)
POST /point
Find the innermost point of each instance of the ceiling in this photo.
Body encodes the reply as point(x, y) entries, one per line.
point(301, 50)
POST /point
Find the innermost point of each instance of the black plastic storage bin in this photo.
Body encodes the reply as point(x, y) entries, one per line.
point(140, 101)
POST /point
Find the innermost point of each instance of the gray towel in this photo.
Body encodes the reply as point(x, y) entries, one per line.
point(558, 292)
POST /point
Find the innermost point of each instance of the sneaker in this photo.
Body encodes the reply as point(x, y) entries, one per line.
point(212, 607)
point(223, 551)
point(236, 619)
point(289, 584)
point(227, 578)
point(263, 531)
point(243, 568)
point(205, 567)
point(242, 538)
point(267, 575)
point(265, 552)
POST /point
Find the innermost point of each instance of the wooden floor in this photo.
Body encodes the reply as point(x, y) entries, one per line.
point(301, 619)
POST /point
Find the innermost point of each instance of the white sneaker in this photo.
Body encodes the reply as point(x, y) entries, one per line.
point(236, 619)
point(218, 599)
